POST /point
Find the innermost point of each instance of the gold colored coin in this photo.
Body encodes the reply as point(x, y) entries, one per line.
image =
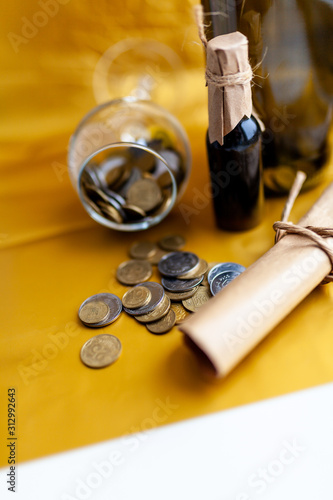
point(172, 243)
point(164, 324)
point(133, 272)
point(133, 212)
point(180, 296)
point(160, 311)
point(136, 297)
point(145, 194)
point(180, 312)
point(93, 312)
point(110, 212)
point(199, 270)
point(198, 300)
point(143, 250)
point(100, 351)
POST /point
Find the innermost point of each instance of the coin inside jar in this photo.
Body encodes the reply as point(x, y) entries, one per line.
point(93, 312)
point(100, 351)
point(136, 297)
point(145, 194)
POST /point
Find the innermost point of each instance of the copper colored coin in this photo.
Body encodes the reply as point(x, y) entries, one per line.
point(163, 325)
point(136, 297)
point(100, 351)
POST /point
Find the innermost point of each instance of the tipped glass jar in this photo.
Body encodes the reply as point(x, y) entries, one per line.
point(129, 161)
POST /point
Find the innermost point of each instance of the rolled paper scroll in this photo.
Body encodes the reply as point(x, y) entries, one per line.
point(232, 323)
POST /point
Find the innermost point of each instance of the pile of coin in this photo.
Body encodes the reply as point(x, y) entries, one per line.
point(187, 283)
point(130, 187)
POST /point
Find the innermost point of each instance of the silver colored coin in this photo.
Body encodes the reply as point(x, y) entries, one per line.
point(112, 301)
point(176, 263)
point(197, 272)
point(224, 266)
point(222, 280)
point(157, 294)
point(114, 197)
point(177, 285)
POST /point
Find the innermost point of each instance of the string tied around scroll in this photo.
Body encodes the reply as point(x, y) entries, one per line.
point(315, 234)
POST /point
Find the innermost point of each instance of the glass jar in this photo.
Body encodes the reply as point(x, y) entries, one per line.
point(292, 86)
point(129, 161)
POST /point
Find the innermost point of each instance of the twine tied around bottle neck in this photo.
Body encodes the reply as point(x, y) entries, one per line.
point(315, 234)
point(220, 81)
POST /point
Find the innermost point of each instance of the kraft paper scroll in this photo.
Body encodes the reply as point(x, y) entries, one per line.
point(233, 322)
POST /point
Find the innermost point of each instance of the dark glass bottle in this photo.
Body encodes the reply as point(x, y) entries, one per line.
point(292, 91)
point(236, 177)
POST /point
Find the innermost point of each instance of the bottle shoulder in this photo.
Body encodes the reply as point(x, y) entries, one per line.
point(246, 132)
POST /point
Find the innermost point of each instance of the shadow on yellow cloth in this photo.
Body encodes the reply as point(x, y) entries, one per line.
point(53, 256)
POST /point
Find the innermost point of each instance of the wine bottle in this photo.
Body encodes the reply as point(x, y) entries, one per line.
point(234, 136)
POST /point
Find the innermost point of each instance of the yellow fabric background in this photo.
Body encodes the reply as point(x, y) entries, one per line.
point(53, 256)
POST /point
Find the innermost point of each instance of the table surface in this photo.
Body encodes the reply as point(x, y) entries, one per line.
point(53, 256)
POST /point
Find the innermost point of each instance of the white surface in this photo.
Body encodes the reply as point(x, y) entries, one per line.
point(239, 454)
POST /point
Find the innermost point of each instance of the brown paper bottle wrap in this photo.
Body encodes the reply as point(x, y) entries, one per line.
point(229, 97)
point(233, 322)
